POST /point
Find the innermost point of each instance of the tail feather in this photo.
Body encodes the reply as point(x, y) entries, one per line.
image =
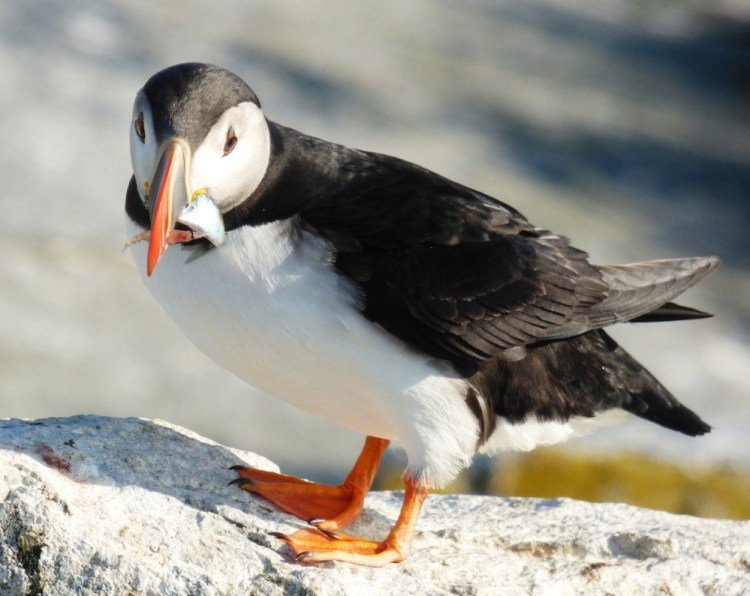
point(579, 377)
point(671, 312)
point(640, 292)
point(672, 415)
point(638, 289)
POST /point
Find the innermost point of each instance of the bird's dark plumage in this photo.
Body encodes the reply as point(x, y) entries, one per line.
point(580, 376)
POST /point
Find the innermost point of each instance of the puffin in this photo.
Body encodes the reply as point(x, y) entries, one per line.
point(380, 295)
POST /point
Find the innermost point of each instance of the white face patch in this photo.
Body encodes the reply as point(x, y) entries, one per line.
point(229, 179)
point(143, 153)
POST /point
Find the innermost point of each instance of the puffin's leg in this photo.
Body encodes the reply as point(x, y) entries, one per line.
point(312, 546)
point(326, 507)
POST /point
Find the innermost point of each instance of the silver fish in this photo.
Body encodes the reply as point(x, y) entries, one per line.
point(202, 215)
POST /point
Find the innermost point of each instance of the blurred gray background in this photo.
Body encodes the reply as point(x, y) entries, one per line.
point(622, 124)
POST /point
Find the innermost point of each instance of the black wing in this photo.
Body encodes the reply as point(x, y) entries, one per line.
point(448, 269)
point(466, 277)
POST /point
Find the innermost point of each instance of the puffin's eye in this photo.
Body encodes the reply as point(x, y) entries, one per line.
point(140, 129)
point(231, 141)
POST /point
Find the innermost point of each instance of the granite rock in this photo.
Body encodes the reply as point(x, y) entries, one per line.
point(93, 505)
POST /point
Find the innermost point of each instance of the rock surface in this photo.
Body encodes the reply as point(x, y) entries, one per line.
point(93, 505)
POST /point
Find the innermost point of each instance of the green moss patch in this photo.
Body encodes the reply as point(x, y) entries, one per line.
point(631, 478)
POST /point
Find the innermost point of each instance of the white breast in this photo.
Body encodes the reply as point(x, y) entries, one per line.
point(268, 306)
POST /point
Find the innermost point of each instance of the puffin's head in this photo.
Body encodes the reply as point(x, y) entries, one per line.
point(199, 145)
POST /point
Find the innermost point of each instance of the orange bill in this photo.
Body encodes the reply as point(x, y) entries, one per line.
point(164, 213)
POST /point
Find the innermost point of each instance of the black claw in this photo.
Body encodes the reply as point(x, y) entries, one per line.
point(314, 521)
point(238, 467)
point(242, 482)
point(303, 555)
point(330, 533)
point(280, 536)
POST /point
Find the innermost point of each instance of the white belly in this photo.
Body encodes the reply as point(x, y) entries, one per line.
point(268, 306)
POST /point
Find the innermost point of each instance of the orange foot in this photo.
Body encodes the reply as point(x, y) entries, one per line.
point(328, 508)
point(314, 546)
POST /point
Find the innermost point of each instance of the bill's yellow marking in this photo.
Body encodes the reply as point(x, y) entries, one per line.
point(200, 191)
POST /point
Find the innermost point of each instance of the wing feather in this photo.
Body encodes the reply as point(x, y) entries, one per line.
point(454, 272)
